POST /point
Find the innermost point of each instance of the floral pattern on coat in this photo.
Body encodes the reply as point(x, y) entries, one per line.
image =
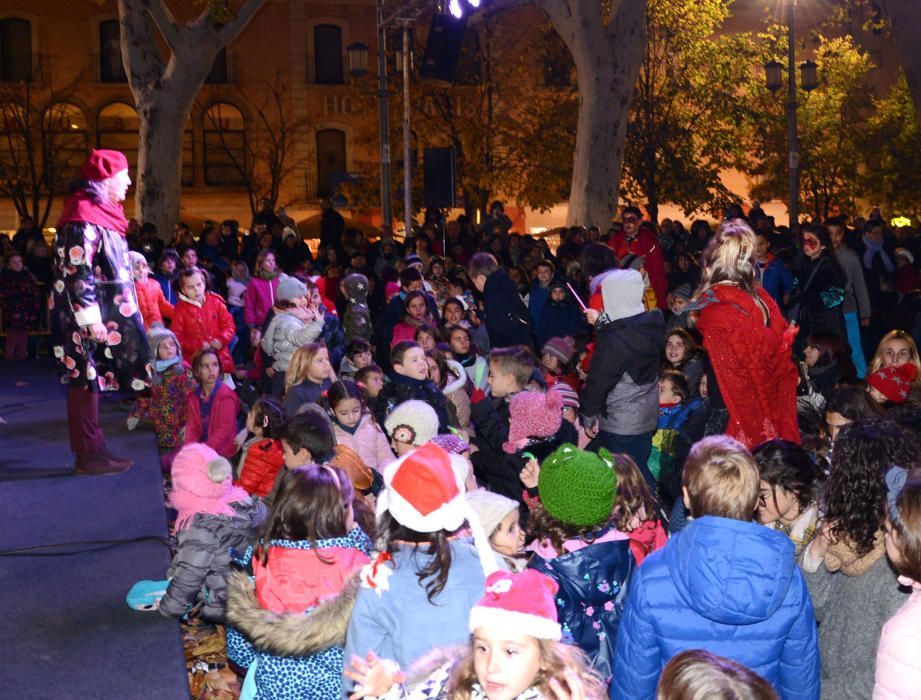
point(167, 405)
point(93, 284)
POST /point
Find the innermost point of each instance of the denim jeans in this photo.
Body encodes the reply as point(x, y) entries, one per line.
point(637, 447)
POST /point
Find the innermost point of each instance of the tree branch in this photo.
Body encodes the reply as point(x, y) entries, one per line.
point(164, 21)
point(244, 15)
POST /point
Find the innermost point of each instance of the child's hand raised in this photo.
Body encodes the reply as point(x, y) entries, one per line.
point(530, 474)
point(591, 315)
point(374, 677)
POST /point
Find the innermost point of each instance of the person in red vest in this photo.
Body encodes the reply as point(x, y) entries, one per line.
point(639, 238)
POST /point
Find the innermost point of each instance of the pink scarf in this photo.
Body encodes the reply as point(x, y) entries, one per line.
point(80, 207)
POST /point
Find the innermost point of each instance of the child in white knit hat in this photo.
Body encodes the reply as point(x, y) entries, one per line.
point(499, 517)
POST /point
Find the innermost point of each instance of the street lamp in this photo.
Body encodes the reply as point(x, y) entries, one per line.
point(774, 80)
point(358, 59)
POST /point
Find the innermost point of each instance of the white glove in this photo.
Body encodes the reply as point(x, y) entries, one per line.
point(133, 422)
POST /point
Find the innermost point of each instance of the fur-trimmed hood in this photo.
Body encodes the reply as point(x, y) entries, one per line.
point(289, 634)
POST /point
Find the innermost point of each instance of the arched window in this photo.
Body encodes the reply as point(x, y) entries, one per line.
point(557, 65)
point(15, 50)
point(67, 141)
point(111, 68)
point(327, 55)
point(117, 128)
point(225, 145)
point(331, 162)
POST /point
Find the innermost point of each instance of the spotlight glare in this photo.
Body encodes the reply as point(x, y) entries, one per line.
point(474, 3)
point(454, 7)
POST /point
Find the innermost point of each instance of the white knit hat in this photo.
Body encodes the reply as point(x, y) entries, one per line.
point(491, 508)
point(290, 288)
point(417, 418)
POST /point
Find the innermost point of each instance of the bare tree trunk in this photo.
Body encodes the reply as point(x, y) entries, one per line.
point(905, 18)
point(165, 91)
point(608, 55)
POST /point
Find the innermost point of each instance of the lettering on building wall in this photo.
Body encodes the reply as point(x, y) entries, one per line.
point(340, 106)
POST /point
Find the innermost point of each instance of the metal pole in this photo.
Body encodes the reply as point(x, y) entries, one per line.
point(791, 115)
point(407, 158)
point(386, 205)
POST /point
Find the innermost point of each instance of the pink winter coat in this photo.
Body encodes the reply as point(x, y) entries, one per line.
point(898, 659)
point(368, 441)
point(258, 301)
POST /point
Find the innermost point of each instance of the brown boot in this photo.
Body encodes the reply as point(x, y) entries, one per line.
point(115, 459)
point(97, 464)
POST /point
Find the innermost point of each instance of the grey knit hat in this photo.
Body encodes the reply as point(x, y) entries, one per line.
point(290, 288)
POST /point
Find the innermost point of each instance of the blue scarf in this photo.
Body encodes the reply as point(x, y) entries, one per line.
point(872, 249)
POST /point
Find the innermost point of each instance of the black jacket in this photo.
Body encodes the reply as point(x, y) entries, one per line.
point(507, 320)
point(404, 388)
point(622, 388)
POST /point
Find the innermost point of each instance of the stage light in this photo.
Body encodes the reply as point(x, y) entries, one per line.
point(475, 4)
point(454, 7)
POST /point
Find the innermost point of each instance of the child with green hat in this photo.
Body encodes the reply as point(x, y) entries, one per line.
point(578, 545)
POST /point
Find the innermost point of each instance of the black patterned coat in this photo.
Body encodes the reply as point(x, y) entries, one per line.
point(93, 284)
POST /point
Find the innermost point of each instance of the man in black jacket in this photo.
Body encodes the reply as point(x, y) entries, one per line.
point(507, 319)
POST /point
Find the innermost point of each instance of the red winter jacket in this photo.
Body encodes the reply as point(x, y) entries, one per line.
point(153, 305)
point(646, 245)
point(197, 325)
point(222, 422)
point(264, 459)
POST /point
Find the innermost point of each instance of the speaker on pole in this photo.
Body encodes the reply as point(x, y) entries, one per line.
point(443, 48)
point(438, 178)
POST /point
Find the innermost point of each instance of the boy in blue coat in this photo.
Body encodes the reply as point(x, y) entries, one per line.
point(724, 584)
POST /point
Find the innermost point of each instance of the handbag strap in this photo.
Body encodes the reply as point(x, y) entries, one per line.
point(811, 276)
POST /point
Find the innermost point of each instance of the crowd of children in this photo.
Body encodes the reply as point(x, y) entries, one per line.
point(625, 478)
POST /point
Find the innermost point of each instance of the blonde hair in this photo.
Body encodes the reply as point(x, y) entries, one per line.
point(721, 478)
point(729, 258)
point(877, 362)
point(556, 659)
point(697, 674)
point(300, 363)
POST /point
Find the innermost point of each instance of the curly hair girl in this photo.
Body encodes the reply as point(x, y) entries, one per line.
point(855, 499)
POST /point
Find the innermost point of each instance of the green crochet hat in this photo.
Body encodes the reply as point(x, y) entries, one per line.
point(578, 487)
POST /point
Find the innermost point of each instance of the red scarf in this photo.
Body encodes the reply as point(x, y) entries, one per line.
point(79, 207)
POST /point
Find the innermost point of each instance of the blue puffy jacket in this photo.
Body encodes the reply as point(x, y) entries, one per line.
point(727, 586)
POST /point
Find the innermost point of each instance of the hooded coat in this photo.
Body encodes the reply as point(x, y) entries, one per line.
point(727, 586)
point(357, 318)
point(622, 389)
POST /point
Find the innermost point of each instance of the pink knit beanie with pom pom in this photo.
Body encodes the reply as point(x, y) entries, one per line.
point(533, 414)
point(202, 483)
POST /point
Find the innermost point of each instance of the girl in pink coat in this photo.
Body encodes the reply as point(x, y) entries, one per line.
point(355, 427)
point(898, 659)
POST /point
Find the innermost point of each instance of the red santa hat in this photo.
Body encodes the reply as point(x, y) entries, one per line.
point(425, 492)
point(103, 164)
point(894, 382)
point(522, 602)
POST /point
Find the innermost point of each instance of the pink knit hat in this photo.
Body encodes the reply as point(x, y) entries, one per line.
point(202, 483)
point(103, 164)
point(533, 414)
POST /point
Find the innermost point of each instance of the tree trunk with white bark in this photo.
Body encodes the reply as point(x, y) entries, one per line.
point(164, 92)
point(608, 53)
